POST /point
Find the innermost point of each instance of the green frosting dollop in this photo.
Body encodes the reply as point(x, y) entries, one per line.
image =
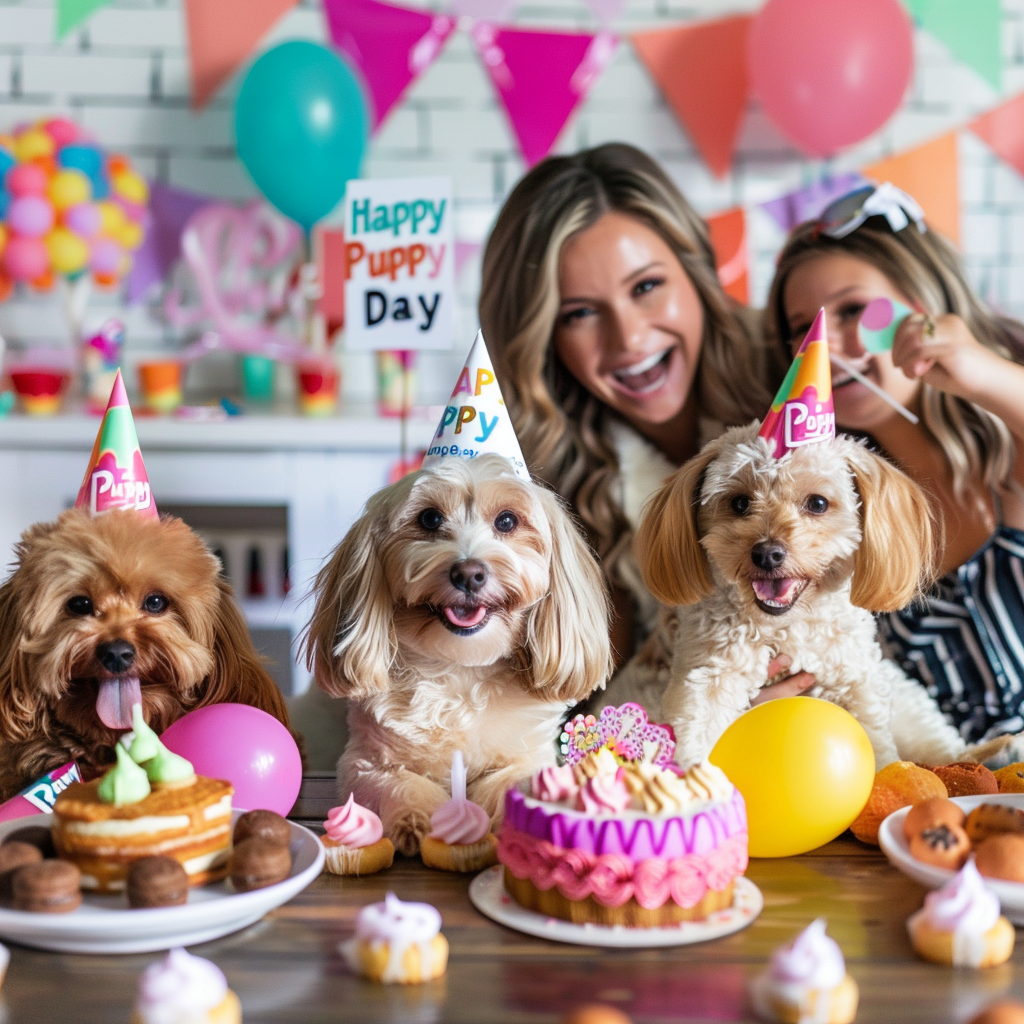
point(125, 783)
point(168, 767)
point(145, 745)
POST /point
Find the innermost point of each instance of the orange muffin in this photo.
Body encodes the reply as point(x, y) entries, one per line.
point(966, 778)
point(991, 820)
point(935, 810)
point(1001, 856)
point(945, 846)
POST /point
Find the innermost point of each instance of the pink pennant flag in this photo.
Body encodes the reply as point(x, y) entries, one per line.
point(391, 46)
point(541, 78)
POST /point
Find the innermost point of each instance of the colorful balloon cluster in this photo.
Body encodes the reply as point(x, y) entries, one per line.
point(66, 207)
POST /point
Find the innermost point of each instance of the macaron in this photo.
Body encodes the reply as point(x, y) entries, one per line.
point(47, 887)
point(35, 835)
point(12, 857)
point(156, 882)
point(257, 863)
point(262, 825)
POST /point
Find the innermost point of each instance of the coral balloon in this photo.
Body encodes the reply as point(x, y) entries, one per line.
point(829, 72)
point(25, 259)
point(26, 180)
point(805, 769)
point(69, 188)
point(84, 219)
point(105, 256)
point(244, 745)
point(31, 216)
point(68, 252)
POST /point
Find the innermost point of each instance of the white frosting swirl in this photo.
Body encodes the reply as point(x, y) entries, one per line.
point(181, 987)
point(811, 959)
point(398, 922)
point(963, 904)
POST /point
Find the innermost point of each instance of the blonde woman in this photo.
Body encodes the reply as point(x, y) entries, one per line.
point(955, 364)
point(617, 349)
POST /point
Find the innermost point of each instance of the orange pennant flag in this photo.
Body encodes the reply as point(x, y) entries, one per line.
point(221, 36)
point(1003, 130)
point(732, 256)
point(702, 71)
point(931, 174)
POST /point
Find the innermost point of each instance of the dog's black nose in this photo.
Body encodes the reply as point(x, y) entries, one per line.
point(769, 554)
point(116, 656)
point(469, 575)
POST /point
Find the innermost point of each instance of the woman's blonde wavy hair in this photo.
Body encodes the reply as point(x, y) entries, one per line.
point(561, 425)
point(927, 269)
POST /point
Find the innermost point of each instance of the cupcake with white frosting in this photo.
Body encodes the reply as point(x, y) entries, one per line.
point(960, 924)
point(460, 831)
point(354, 841)
point(806, 981)
point(185, 989)
point(397, 943)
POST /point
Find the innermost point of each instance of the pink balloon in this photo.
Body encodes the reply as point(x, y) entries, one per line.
point(25, 259)
point(244, 745)
point(830, 72)
point(61, 130)
point(105, 256)
point(26, 180)
point(84, 219)
point(31, 216)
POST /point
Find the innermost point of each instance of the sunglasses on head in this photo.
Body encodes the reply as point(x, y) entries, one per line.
point(847, 213)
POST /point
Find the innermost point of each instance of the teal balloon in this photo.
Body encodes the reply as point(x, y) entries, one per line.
point(301, 126)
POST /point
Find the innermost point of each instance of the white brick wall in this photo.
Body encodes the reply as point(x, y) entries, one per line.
point(124, 75)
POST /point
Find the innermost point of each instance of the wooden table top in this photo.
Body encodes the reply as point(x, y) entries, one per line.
point(287, 967)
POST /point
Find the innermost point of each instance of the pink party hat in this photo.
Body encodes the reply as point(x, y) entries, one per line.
point(116, 477)
point(802, 412)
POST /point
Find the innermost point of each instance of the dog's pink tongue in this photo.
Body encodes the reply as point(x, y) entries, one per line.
point(115, 700)
point(465, 621)
point(773, 590)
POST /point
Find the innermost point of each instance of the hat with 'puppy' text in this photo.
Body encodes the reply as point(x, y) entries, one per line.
point(116, 477)
point(476, 419)
point(802, 412)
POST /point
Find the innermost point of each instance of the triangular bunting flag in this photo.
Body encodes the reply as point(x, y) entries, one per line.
point(391, 46)
point(971, 31)
point(1003, 130)
point(221, 37)
point(808, 202)
point(476, 419)
point(732, 257)
point(931, 174)
point(71, 13)
point(541, 77)
point(702, 72)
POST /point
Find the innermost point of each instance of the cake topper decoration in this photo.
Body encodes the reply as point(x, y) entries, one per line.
point(624, 732)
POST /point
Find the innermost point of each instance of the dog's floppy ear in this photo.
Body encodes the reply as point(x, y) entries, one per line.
point(19, 709)
point(567, 630)
point(667, 545)
point(350, 642)
point(895, 559)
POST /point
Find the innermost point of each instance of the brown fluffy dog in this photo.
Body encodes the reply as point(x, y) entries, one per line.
point(463, 611)
point(100, 613)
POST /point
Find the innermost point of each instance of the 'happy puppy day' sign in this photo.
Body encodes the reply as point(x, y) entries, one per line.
point(399, 263)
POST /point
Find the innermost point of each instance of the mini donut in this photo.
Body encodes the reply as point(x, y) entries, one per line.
point(1001, 856)
point(993, 819)
point(966, 778)
point(936, 810)
point(945, 846)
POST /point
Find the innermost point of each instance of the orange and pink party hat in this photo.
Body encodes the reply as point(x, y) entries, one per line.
point(116, 477)
point(802, 412)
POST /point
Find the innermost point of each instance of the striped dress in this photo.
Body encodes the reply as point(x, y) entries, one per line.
point(965, 640)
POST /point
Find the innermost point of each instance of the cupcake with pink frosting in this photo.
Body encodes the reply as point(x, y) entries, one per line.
point(354, 841)
point(806, 981)
point(960, 924)
point(460, 831)
point(185, 989)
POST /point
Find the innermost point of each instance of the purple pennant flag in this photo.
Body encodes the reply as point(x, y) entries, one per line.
point(169, 209)
point(807, 203)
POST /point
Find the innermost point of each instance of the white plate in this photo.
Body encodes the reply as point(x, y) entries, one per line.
point(487, 894)
point(104, 924)
point(894, 845)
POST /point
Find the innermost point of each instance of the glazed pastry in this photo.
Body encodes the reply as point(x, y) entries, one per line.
point(156, 882)
point(354, 842)
point(991, 820)
point(960, 924)
point(1001, 856)
point(945, 846)
point(263, 825)
point(185, 989)
point(936, 810)
point(460, 831)
point(257, 863)
point(47, 887)
point(34, 835)
point(1000, 1013)
point(967, 778)
point(397, 942)
point(806, 981)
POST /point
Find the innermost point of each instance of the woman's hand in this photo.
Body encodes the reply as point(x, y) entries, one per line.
point(787, 686)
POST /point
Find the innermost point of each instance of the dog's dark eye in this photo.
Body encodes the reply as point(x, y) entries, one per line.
point(740, 504)
point(506, 522)
point(816, 504)
point(79, 605)
point(430, 519)
point(154, 604)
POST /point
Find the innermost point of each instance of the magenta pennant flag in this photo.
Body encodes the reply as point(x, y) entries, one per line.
point(541, 78)
point(390, 46)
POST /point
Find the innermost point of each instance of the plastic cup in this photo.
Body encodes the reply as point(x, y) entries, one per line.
point(40, 389)
point(319, 383)
point(161, 384)
point(257, 378)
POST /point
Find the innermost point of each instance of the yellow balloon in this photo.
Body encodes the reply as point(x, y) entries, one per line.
point(68, 252)
point(32, 143)
point(69, 188)
point(805, 769)
point(111, 218)
point(130, 186)
point(129, 234)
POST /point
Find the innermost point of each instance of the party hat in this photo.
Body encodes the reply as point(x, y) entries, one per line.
point(802, 412)
point(116, 477)
point(476, 419)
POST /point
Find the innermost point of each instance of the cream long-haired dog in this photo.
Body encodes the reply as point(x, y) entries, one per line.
point(462, 611)
point(790, 555)
point(105, 611)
